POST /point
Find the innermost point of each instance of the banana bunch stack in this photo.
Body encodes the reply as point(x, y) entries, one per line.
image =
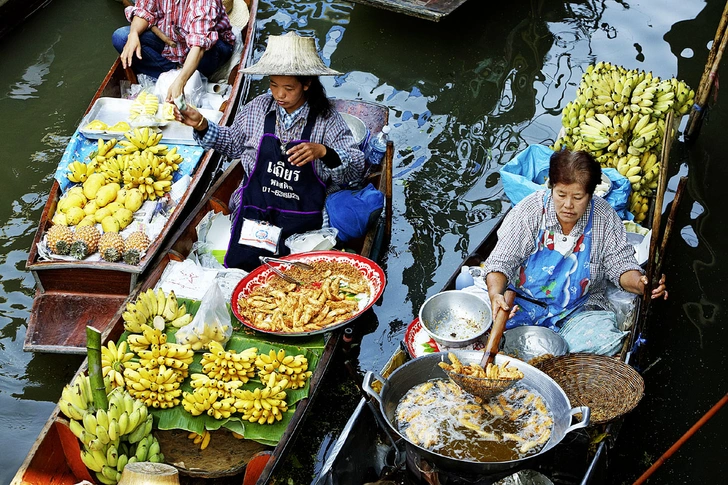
point(229, 365)
point(111, 438)
point(293, 368)
point(211, 396)
point(262, 406)
point(157, 387)
point(619, 117)
point(145, 103)
point(155, 309)
point(79, 171)
point(113, 359)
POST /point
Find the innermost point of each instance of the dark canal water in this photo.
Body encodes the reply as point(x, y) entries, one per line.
point(464, 96)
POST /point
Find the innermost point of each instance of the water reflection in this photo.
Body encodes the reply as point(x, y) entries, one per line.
point(34, 75)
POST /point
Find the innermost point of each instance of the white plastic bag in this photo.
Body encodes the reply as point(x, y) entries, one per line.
point(319, 240)
point(195, 89)
point(211, 322)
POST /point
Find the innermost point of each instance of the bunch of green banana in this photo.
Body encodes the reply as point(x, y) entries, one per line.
point(157, 387)
point(113, 358)
point(79, 171)
point(111, 437)
point(293, 368)
point(229, 365)
point(151, 304)
point(262, 406)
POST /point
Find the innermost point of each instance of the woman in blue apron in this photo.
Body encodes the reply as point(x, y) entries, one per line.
point(558, 249)
point(295, 149)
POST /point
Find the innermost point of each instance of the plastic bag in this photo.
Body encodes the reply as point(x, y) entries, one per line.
point(527, 173)
point(319, 240)
point(211, 322)
point(195, 88)
point(623, 304)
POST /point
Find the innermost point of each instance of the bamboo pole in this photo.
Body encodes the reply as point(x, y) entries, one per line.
point(95, 374)
point(667, 139)
point(709, 72)
point(670, 220)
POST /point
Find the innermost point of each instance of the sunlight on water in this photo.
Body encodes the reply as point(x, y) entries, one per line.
point(33, 76)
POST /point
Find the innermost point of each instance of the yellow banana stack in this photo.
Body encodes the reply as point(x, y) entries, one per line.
point(229, 365)
point(262, 406)
point(110, 438)
point(157, 309)
point(619, 117)
point(294, 369)
point(211, 396)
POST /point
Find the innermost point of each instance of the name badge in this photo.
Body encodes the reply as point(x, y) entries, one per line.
point(260, 235)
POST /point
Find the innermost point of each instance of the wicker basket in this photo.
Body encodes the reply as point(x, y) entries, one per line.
point(607, 385)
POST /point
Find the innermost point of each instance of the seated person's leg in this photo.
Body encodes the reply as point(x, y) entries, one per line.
point(218, 55)
point(152, 62)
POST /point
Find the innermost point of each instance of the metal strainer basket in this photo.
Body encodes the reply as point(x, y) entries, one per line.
point(482, 387)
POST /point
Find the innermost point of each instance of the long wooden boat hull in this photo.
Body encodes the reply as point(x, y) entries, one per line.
point(72, 294)
point(433, 10)
point(54, 457)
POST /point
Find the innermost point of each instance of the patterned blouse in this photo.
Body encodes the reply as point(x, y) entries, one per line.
point(610, 257)
point(187, 22)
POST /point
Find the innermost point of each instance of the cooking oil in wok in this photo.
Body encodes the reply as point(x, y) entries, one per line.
point(441, 417)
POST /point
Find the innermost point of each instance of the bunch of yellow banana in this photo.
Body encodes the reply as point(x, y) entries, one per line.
point(113, 358)
point(146, 337)
point(157, 387)
point(145, 103)
point(638, 206)
point(211, 396)
point(79, 171)
point(151, 304)
point(151, 174)
point(262, 406)
point(229, 365)
point(171, 355)
point(200, 439)
point(211, 332)
point(142, 138)
point(293, 368)
point(76, 398)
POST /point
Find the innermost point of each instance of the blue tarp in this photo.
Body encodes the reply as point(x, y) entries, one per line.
point(79, 148)
point(527, 173)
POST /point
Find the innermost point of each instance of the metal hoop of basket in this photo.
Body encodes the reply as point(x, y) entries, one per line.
point(608, 386)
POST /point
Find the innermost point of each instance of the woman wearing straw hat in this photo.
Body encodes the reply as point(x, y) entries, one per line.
point(295, 149)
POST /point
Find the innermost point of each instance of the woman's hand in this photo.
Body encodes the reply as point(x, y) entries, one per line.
point(131, 48)
point(304, 153)
point(191, 117)
point(659, 291)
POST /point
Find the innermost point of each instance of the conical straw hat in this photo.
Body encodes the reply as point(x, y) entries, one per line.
point(237, 12)
point(290, 55)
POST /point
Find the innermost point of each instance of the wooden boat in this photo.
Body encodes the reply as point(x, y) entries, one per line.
point(72, 294)
point(433, 10)
point(368, 438)
point(54, 457)
point(14, 12)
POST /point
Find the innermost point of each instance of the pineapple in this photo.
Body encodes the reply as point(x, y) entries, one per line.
point(134, 246)
point(86, 242)
point(60, 239)
point(111, 246)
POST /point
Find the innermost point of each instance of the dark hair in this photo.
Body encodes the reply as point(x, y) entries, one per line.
point(319, 104)
point(567, 167)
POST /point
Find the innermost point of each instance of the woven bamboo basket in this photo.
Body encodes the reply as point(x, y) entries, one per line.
point(607, 385)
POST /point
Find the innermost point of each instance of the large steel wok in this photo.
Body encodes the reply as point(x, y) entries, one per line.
point(425, 368)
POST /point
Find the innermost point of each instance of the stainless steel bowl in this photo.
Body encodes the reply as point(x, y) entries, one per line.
point(527, 342)
point(455, 318)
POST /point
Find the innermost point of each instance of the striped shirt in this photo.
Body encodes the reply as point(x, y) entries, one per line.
point(187, 22)
point(610, 256)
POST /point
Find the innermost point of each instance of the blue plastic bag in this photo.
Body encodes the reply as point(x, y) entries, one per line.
point(527, 173)
point(352, 212)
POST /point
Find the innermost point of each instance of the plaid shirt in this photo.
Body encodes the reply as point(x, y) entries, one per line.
point(610, 255)
point(188, 23)
point(241, 139)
